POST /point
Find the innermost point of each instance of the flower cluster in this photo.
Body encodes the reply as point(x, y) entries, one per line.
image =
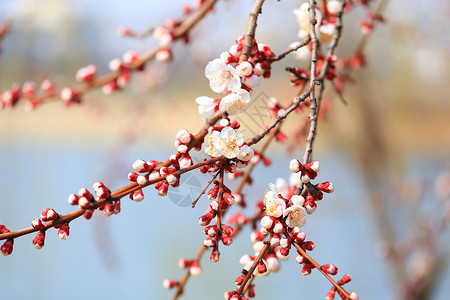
point(85, 200)
point(226, 141)
point(234, 79)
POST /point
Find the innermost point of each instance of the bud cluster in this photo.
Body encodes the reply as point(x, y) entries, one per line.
point(7, 246)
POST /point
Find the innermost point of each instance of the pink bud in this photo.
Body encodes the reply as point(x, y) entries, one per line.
point(48, 215)
point(163, 189)
point(273, 263)
point(116, 65)
point(310, 206)
point(296, 230)
point(326, 187)
point(275, 239)
point(73, 199)
point(130, 57)
point(63, 232)
point(213, 192)
point(214, 205)
point(164, 55)
point(330, 269)
point(285, 242)
point(39, 240)
point(141, 180)
point(262, 268)
point(183, 263)
point(313, 166)
point(88, 214)
point(123, 31)
point(278, 228)
point(86, 74)
point(110, 87)
point(284, 252)
point(108, 209)
point(300, 259)
point(306, 270)
point(353, 296)
point(132, 176)
point(214, 257)
point(257, 236)
point(266, 222)
point(28, 88)
point(228, 229)
point(195, 269)
point(48, 87)
point(154, 175)
point(141, 166)
point(83, 202)
point(309, 245)
point(208, 242)
point(68, 94)
point(345, 279)
point(37, 224)
point(169, 283)
point(174, 161)
point(211, 230)
point(7, 247)
point(172, 180)
point(239, 280)
point(83, 192)
point(137, 195)
point(331, 294)
point(226, 239)
point(295, 166)
point(300, 237)
point(305, 177)
point(205, 219)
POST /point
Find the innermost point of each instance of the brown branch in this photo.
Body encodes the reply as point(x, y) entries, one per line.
point(178, 33)
point(129, 189)
point(333, 44)
point(251, 28)
point(283, 55)
point(279, 118)
point(315, 102)
point(186, 276)
point(312, 82)
point(204, 190)
point(303, 252)
point(253, 267)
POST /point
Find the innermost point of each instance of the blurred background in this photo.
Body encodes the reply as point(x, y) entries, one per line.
point(386, 152)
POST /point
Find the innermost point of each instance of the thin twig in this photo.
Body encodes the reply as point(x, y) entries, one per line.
point(303, 252)
point(204, 190)
point(251, 28)
point(312, 82)
point(178, 33)
point(254, 265)
point(283, 55)
point(186, 276)
point(279, 118)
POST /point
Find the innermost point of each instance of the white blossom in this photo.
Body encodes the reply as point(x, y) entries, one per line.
point(296, 216)
point(235, 102)
point(274, 206)
point(206, 106)
point(222, 77)
point(228, 143)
